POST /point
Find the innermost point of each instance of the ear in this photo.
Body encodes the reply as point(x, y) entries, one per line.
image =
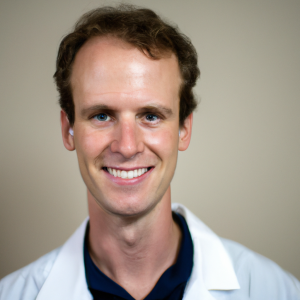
point(185, 133)
point(68, 139)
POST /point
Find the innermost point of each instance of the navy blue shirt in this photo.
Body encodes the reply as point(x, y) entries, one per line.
point(170, 286)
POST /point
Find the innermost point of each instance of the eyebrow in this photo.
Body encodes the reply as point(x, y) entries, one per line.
point(152, 108)
point(89, 110)
point(156, 107)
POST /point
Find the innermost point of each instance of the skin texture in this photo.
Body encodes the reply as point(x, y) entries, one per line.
point(133, 238)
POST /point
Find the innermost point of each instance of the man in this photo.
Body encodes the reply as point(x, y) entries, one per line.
point(125, 80)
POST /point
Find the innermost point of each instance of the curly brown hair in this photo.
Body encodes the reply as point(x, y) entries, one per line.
point(140, 27)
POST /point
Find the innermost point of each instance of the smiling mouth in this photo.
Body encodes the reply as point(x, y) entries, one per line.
point(127, 174)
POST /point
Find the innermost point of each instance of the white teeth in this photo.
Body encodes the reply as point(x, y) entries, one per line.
point(124, 174)
point(130, 174)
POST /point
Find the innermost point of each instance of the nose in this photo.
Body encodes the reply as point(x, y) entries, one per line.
point(128, 139)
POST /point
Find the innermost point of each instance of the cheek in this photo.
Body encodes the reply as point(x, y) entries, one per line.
point(90, 144)
point(164, 144)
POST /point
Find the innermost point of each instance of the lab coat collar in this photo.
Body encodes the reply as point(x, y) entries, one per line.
point(212, 268)
point(67, 276)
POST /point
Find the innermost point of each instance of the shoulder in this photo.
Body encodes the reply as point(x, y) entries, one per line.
point(259, 276)
point(24, 284)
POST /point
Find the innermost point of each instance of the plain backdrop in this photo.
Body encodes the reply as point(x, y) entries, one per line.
point(241, 172)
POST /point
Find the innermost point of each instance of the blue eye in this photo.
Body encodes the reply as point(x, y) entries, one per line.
point(102, 117)
point(151, 117)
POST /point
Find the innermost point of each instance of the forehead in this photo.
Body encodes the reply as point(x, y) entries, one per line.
point(105, 66)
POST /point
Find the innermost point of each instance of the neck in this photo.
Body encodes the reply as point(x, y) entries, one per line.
point(134, 251)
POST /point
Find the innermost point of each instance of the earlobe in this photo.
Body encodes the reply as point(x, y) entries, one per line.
point(185, 133)
point(67, 132)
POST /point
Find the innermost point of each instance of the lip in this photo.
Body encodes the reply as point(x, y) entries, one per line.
point(127, 169)
point(132, 181)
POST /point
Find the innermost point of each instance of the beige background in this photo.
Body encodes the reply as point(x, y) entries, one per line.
point(241, 172)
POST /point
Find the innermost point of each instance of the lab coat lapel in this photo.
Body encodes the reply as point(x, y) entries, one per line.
point(67, 277)
point(196, 288)
point(212, 268)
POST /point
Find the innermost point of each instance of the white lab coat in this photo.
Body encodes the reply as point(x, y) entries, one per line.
point(223, 270)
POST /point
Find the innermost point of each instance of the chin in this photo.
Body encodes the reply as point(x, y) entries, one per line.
point(129, 207)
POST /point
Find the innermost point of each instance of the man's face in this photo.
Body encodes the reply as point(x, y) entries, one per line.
point(126, 124)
